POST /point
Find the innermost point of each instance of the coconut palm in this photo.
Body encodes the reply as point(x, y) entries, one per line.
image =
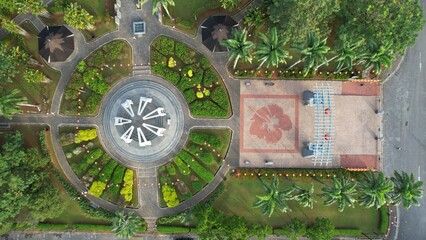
point(407, 190)
point(9, 103)
point(157, 4)
point(11, 26)
point(312, 53)
point(375, 190)
point(346, 53)
point(78, 17)
point(125, 225)
point(271, 49)
point(273, 198)
point(303, 196)
point(342, 192)
point(239, 46)
point(378, 56)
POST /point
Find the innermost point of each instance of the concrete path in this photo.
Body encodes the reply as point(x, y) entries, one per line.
point(147, 176)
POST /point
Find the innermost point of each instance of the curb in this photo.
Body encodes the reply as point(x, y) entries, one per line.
point(396, 69)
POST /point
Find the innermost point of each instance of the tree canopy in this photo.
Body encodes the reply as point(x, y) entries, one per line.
point(28, 195)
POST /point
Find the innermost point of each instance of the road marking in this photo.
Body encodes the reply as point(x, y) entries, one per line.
point(420, 63)
point(418, 173)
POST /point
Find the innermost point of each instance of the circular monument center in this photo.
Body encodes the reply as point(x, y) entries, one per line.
point(143, 121)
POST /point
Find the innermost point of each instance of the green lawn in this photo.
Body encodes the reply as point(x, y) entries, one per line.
point(189, 14)
point(240, 194)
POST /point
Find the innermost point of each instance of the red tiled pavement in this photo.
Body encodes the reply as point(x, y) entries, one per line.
point(362, 89)
point(359, 161)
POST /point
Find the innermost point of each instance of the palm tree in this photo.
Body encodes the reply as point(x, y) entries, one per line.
point(342, 192)
point(157, 4)
point(78, 17)
point(239, 46)
point(375, 190)
point(346, 53)
point(378, 56)
point(273, 198)
point(125, 225)
point(11, 26)
point(304, 197)
point(313, 53)
point(9, 103)
point(407, 191)
point(271, 50)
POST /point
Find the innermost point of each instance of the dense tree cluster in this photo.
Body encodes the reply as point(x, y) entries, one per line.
point(27, 194)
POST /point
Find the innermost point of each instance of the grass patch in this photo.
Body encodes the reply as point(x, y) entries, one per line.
point(240, 194)
point(193, 75)
point(190, 14)
point(94, 76)
point(187, 181)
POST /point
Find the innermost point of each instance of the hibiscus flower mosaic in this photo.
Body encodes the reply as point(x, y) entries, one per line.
point(269, 123)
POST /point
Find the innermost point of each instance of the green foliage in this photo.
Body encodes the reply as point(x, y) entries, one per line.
point(185, 53)
point(220, 97)
point(93, 155)
point(375, 190)
point(92, 103)
point(207, 107)
point(170, 196)
point(113, 49)
point(127, 190)
point(85, 135)
point(203, 173)
point(384, 219)
point(205, 63)
point(203, 155)
point(271, 49)
point(342, 192)
point(95, 82)
point(316, 16)
point(77, 17)
point(66, 139)
point(348, 232)
point(171, 169)
point(322, 229)
point(81, 66)
point(9, 103)
point(197, 185)
point(126, 225)
point(295, 229)
point(107, 171)
point(164, 45)
point(407, 190)
point(254, 17)
point(172, 229)
point(239, 47)
point(229, 4)
point(202, 138)
point(33, 76)
point(97, 188)
point(182, 167)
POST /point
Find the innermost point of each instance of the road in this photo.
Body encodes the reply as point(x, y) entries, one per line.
point(404, 127)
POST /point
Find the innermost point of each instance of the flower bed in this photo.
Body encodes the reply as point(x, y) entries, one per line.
point(193, 75)
point(94, 76)
point(103, 176)
point(194, 166)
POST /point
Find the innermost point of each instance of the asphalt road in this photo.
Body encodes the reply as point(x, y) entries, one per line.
point(405, 128)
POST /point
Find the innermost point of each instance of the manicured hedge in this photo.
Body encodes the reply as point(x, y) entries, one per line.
point(183, 168)
point(203, 155)
point(127, 190)
point(200, 108)
point(85, 135)
point(384, 220)
point(93, 155)
point(197, 185)
point(220, 97)
point(107, 171)
point(172, 229)
point(200, 138)
point(97, 188)
point(203, 173)
point(170, 196)
point(171, 169)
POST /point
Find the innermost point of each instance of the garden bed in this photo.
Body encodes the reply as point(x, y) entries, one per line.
point(240, 194)
point(194, 166)
point(94, 77)
point(193, 75)
point(102, 175)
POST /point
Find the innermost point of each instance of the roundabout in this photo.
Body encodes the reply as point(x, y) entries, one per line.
point(143, 121)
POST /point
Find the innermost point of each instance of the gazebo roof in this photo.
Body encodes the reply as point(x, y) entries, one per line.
point(215, 29)
point(55, 43)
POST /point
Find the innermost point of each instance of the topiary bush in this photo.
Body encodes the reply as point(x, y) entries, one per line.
point(202, 154)
point(170, 196)
point(203, 173)
point(202, 138)
point(182, 167)
point(85, 135)
point(94, 155)
point(127, 190)
point(97, 188)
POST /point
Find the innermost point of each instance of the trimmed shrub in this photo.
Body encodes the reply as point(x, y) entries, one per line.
point(183, 168)
point(221, 98)
point(200, 138)
point(203, 173)
point(206, 109)
point(171, 169)
point(164, 45)
point(127, 190)
point(206, 157)
point(95, 82)
point(94, 155)
point(92, 103)
point(172, 229)
point(85, 135)
point(113, 49)
point(97, 188)
point(107, 171)
point(170, 196)
point(81, 67)
point(384, 219)
point(186, 54)
point(205, 63)
point(210, 78)
point(189, 95)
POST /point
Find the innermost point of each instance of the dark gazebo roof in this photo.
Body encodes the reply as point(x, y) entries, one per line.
point(217, 28)
point(55, 43)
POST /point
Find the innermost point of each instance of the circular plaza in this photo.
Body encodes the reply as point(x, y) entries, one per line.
point(143, 121)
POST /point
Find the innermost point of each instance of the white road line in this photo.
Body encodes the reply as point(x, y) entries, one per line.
point(420, 62)
point(418, 173)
